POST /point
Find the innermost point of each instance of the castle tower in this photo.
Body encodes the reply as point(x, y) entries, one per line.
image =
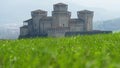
point(36, 16)
point(60, 15)
point(87, 17)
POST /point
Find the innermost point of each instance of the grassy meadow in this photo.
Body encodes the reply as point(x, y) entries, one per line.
point(92, 51)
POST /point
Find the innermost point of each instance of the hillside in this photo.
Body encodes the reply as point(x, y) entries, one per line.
point(96, 51)
point(113, 25)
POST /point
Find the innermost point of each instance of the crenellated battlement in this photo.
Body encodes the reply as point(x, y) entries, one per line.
point(58, 23)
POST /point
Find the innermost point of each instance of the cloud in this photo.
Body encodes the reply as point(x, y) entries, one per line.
point(19, 10)
point(106, 4)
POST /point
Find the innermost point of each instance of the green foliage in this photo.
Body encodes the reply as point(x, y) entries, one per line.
point(94, 51)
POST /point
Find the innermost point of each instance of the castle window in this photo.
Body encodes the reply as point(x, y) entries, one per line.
point(63, 25)
point(25, 23)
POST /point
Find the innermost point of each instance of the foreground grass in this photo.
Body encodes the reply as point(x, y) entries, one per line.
point(96, 51)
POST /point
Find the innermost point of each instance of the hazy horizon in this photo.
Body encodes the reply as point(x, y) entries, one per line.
point(16, 11)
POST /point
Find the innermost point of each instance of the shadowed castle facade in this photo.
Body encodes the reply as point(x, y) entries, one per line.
point(58, 24)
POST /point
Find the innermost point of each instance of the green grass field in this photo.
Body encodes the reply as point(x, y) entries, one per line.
point(94, 51)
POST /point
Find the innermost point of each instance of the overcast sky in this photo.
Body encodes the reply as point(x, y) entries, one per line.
point(106, 4)
point(15, 11)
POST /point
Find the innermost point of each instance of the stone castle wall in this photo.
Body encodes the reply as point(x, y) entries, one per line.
point(59, 32)
point(59, 23)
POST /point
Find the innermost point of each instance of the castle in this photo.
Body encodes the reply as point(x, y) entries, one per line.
point(58, 24)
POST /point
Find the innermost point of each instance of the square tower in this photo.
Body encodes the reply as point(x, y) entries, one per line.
point(36, 16)
point(61, 15)
point(87, 17)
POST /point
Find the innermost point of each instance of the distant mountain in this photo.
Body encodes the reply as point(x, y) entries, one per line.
point(9, 31)
point(112, 25)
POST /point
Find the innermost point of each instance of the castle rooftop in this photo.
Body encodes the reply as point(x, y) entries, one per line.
point(39, 11)
point(28, 20)
point(85, 11)
point(60, 4)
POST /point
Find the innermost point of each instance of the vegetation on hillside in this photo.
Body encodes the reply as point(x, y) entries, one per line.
point(94, 51)
point(109, 25)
